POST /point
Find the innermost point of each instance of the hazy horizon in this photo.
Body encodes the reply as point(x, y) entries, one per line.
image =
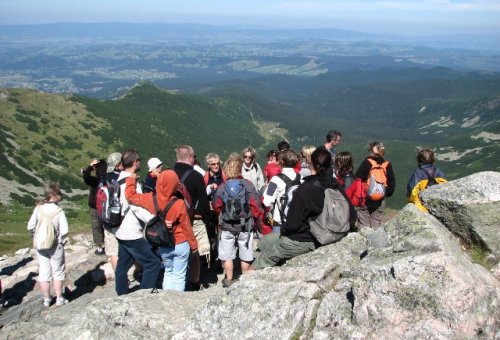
point(404, 17)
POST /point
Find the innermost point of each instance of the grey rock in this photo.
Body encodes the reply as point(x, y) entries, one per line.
point(410, 279)
point(470, 208)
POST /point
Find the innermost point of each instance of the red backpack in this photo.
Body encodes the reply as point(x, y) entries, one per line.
point(357, 193)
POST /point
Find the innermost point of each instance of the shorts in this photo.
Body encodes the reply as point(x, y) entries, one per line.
point(200, 232)
point(110, 243)
point(227, 246)
point(52, 264)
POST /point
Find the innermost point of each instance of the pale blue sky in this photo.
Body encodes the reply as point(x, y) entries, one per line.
point(378, 16)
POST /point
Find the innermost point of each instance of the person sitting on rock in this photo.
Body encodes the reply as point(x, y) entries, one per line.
point(306, 205)
point(423, 177)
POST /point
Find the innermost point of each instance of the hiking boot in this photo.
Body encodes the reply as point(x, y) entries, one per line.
point(226, 283)
point(61, 301)
point(47, 301)
point(99, 252)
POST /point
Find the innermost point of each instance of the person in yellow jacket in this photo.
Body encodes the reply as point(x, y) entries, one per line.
point(424, 176)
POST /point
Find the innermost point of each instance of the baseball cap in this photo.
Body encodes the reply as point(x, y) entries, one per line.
point(153, 163)
point(113, 161)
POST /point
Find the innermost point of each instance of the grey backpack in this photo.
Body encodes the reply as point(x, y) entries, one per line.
point(336, 217)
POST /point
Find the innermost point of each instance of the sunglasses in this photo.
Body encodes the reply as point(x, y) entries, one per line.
point(214, 164)
point(247, 157)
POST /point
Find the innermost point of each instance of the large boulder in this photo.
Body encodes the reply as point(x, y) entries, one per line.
point(411, 278)
point(470, 208)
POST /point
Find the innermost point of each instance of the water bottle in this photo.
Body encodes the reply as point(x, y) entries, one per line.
point(115, 210)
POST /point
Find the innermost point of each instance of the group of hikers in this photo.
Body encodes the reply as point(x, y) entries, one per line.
point(180, 216)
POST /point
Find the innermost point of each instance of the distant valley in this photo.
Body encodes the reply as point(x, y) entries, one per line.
point(223, 90)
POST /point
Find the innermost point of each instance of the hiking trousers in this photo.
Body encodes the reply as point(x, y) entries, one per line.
point(130, 251)
point(276, 249)
point(97, 229)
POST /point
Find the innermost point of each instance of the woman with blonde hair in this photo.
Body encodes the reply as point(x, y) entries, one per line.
point(238, 205)
point(50, 250)
point(371, 214)
point(250, 169)
point(305, 155)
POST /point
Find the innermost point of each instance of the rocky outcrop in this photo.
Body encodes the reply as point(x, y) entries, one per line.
point(410, 279)
point(470, 208)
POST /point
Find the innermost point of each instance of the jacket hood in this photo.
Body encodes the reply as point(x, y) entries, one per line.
point(166, 185)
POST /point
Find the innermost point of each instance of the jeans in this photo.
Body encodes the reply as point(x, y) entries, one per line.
point(175, 261)
point(130, 251)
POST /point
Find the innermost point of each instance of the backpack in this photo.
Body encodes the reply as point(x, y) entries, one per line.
point(286, 198)
point(156, 231)
point(357, 193)
point(109, 208)
point(183, 193)
point(235, 208)
point(421, 186)
point(377, 180)
point(336, 218)
point(45, 234)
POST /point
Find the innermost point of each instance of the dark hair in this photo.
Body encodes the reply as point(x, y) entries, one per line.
point(425, 156)
point(288, 158)
point(272, 153)
point(129, 156)
point(332, 135)
point(321, 160)
point(343, 162)
point(283, 145)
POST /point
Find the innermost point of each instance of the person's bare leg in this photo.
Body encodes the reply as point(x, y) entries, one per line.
point(245, 267)
point(228, 269)
point(114, 261)
point(44, 288)
point(58, 287)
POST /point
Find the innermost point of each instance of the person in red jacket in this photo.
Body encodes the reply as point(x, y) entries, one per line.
point(175, 259)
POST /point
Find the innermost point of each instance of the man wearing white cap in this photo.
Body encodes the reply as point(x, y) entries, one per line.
point(155, 167)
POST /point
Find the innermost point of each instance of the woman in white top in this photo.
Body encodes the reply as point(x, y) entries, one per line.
point(50, 250)
point(250, 169)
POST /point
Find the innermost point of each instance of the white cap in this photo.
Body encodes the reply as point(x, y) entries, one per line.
point(153, 163)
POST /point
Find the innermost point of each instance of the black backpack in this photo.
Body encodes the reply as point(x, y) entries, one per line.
point(156, 231)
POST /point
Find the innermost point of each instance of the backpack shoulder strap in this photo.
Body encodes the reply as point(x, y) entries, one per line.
point(155, 202)
point(185, 175)
point(169, 205)
point(284, 178)
point(372, 161)
point(121, 181)
point(385, 165)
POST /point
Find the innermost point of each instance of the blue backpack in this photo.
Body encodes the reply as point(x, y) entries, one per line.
point(235, 207)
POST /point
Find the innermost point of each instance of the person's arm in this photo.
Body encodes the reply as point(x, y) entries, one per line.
point(33, 219)
point(91, 181)
point(255, 206)
point(363, 170)
point(184, 220)
point(131, 194)
point(63, 225)
point(412, 181)
point(217, 200)
point(307, 202)
point(391, 181)
point(202, 207)
point(260, 178)
point(271, 193)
